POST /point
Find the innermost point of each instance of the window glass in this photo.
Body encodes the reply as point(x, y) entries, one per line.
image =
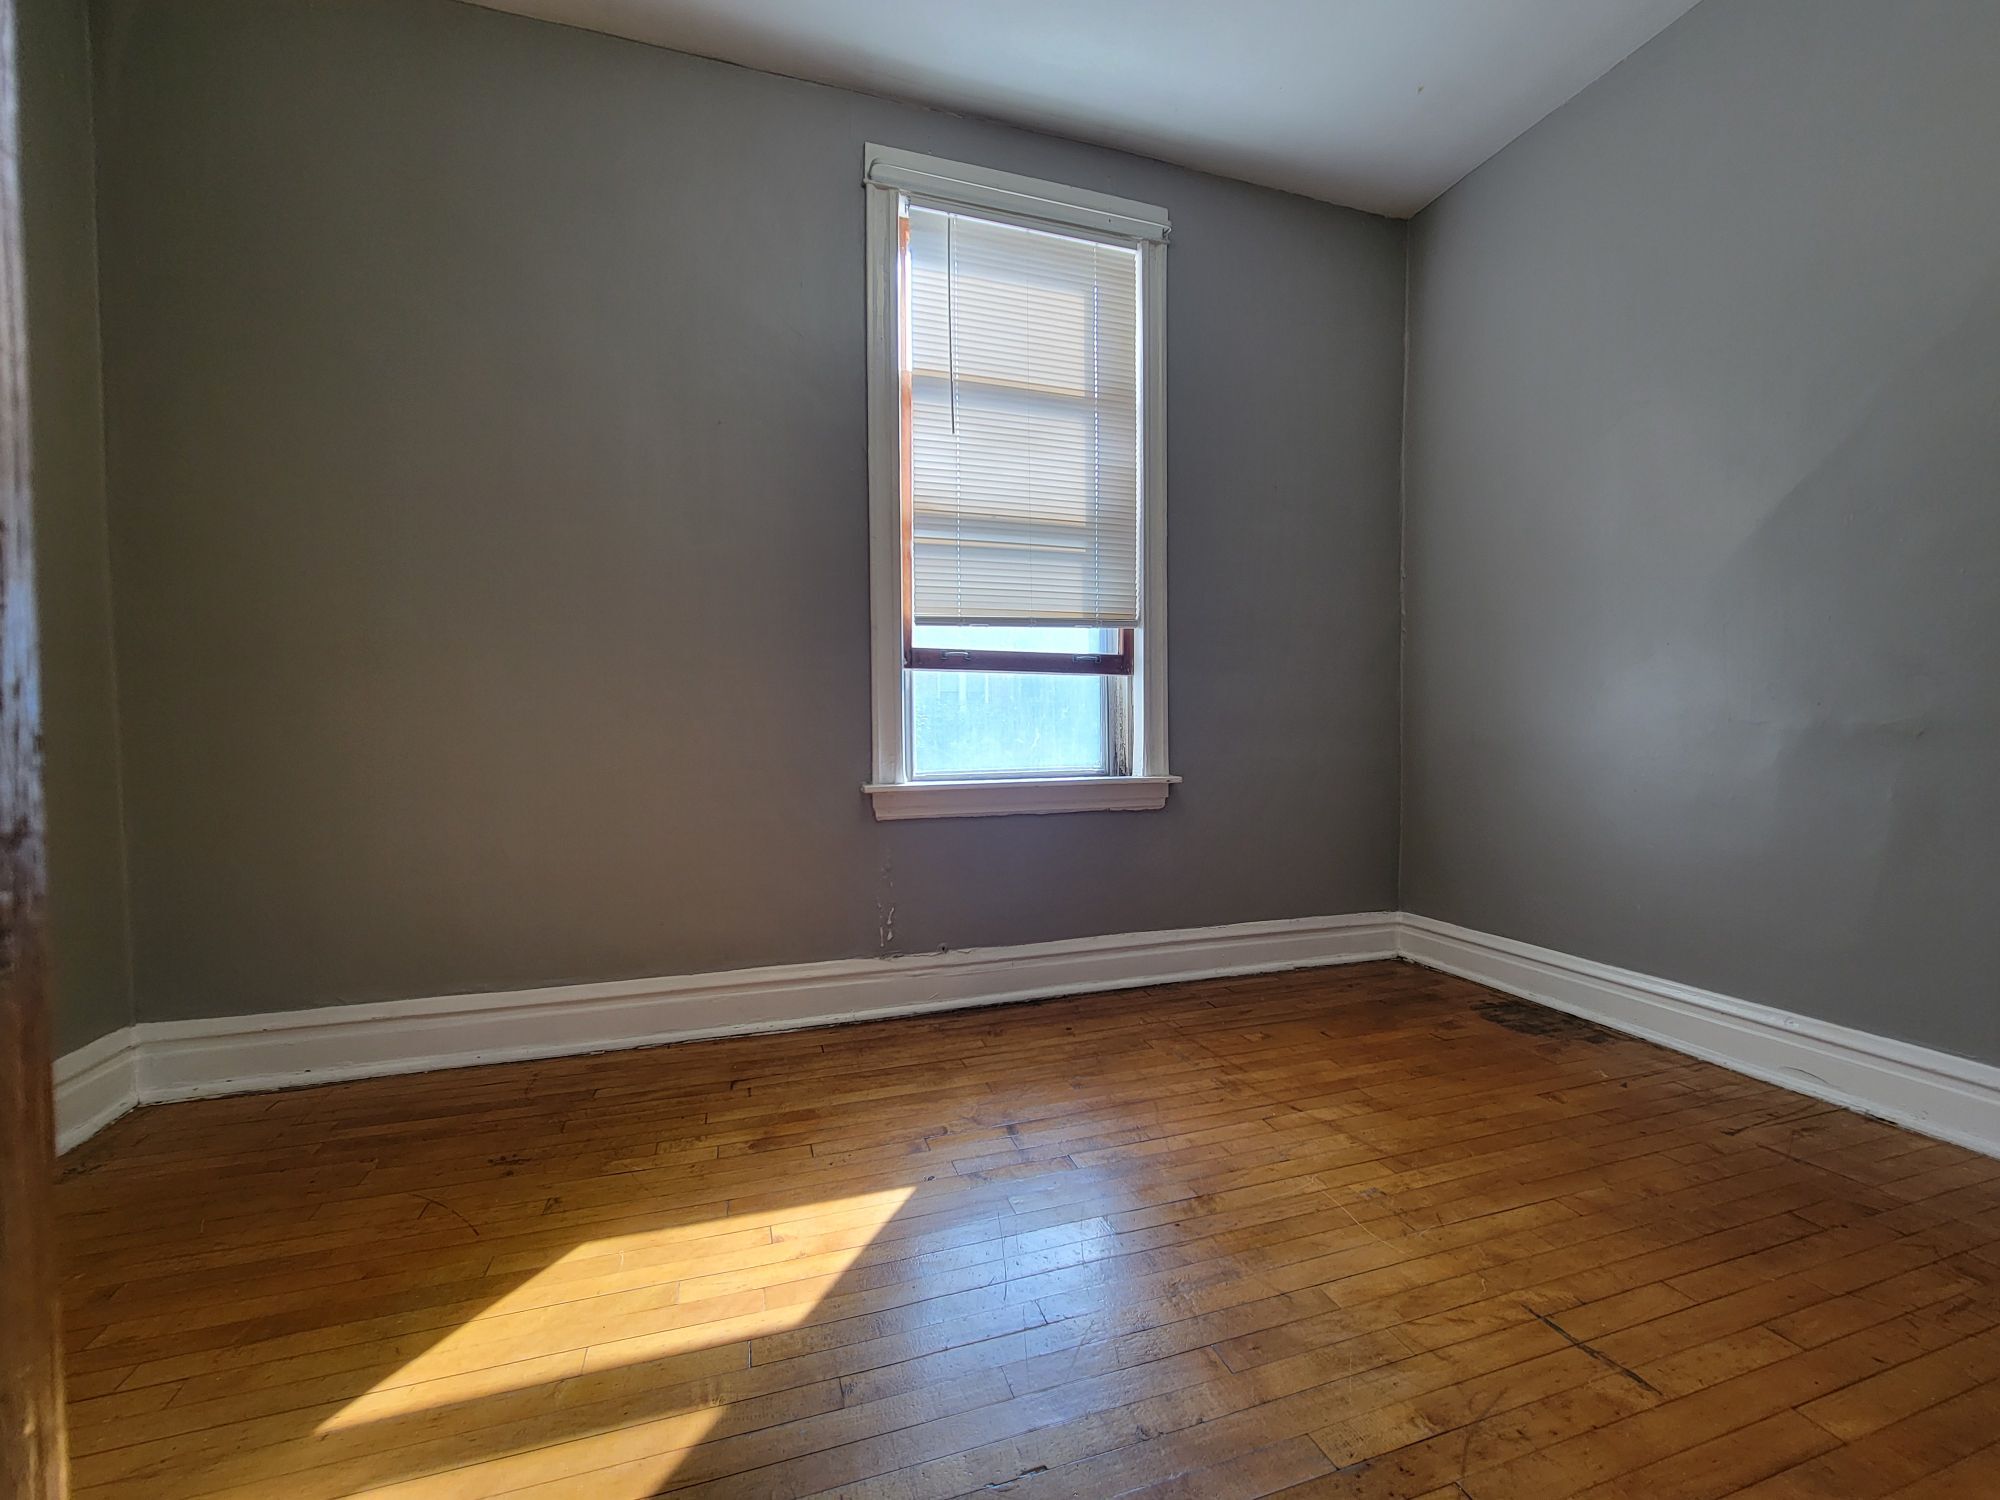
point(999, 723)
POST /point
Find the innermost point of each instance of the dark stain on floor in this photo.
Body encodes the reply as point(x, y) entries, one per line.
point(1538, 1020)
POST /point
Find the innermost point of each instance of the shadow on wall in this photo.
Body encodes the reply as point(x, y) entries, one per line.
point(1862, 798)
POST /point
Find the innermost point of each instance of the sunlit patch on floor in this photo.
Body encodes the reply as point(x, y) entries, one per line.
point(528, 1338)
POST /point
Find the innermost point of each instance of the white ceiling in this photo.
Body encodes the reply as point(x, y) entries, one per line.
point(1379, 104)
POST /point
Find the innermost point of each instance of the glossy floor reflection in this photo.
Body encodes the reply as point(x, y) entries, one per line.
point(1366, 1231)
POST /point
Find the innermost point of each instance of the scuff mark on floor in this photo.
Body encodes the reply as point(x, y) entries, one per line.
point(1597, 1354)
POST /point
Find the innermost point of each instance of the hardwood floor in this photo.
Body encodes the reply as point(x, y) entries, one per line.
point(1364, 1232)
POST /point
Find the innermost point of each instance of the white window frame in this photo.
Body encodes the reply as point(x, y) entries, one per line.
point(891, 175)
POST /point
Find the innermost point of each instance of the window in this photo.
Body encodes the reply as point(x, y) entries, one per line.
point(1017, 534)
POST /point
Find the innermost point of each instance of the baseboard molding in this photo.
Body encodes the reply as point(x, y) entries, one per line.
point(1948, 1097)
point(283, 1049)
point(1932, 1092)
point(94, 1086)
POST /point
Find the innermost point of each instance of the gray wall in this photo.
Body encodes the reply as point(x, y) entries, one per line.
point(486, 412)
point(1703, 671)
point(91, 978)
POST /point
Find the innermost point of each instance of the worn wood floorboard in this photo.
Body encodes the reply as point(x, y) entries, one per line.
point(1366, 1232)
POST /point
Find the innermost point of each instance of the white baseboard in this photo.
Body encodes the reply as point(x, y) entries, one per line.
point(94, 1086)
point(1944, 1096)
point(1936, 1093)
point(239, 1054)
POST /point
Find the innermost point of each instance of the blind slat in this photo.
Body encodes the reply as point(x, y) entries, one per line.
point(1024, 427)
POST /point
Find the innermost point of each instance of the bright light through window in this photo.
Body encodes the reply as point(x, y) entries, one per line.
point(1018, 563)
point(997, 723)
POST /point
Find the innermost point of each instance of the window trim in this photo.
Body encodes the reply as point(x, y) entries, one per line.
point(1042, 794)
point(889, 175)
point(961, 185)
point(1117, 663)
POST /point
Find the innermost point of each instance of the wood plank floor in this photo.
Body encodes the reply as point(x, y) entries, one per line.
point(1362, 1232)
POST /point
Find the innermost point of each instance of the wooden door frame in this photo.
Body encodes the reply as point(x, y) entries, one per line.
point(32, 1459)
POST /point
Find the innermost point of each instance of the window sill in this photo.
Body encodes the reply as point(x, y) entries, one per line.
point(988, 799)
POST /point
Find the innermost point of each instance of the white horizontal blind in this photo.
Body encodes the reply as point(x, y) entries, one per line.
point(1024, 424)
